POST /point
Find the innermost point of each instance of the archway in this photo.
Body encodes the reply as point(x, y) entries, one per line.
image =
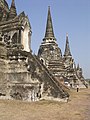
point(14, 38)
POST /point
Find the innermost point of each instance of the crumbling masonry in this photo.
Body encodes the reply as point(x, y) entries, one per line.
point(25, 76)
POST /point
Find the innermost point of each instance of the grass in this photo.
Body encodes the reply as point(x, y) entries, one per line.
point(78, 108)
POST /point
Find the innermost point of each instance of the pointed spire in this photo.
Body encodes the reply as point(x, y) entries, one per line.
point(12, 13)
point(49, 27)
point(67, 48)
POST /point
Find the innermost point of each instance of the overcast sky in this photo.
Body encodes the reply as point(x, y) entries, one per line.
point(68, 16)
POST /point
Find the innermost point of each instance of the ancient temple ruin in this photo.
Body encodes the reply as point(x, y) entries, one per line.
point(22, 75)
point(62, 67)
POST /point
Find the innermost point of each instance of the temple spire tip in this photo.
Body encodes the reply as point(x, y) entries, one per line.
point(66, 34)
point(13, 12)
point(67, 48)
point(49, 34)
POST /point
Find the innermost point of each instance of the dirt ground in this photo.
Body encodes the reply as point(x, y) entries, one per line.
point(77, 108)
